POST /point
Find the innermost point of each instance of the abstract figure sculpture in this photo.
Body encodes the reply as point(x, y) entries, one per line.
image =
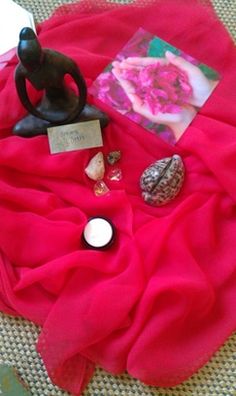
point(46, 69)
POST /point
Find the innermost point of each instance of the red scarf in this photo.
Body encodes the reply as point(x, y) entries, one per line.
point(162, 299)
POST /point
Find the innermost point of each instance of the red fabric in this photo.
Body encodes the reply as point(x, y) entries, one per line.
point(162, 299)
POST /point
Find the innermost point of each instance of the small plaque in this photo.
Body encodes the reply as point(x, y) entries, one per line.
point(79, 136)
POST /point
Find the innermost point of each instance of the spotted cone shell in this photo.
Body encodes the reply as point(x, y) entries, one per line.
point(162, 181)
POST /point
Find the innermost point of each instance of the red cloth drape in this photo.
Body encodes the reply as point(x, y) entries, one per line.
point(162, 299)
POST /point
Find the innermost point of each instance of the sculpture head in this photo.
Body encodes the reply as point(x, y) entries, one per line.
point(29, 49)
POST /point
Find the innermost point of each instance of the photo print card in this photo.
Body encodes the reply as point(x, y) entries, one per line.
point(156, 85)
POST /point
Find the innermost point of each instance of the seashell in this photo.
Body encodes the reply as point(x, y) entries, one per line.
point(162, 181)
point(95, 169)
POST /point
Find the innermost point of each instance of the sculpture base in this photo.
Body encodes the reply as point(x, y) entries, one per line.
point(31, 126)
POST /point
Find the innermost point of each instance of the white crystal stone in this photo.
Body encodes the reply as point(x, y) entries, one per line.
point(95, 169)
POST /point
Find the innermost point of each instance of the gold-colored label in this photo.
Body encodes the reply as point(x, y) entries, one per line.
point(81, 135)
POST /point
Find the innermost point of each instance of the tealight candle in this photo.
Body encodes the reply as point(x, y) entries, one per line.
point(98, 233)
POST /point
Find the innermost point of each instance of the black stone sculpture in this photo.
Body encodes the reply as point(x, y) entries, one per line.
point(45, 69)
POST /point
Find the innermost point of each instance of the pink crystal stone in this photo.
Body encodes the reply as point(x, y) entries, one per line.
point(115, 174)
point(100, 188)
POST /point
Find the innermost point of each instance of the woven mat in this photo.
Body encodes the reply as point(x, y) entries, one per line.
point(17, 348)
point(18, 337)
point(41, 9)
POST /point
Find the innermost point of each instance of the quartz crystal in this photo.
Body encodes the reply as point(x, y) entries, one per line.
point(114, 174)
point(100, 188)
point(95, 169)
